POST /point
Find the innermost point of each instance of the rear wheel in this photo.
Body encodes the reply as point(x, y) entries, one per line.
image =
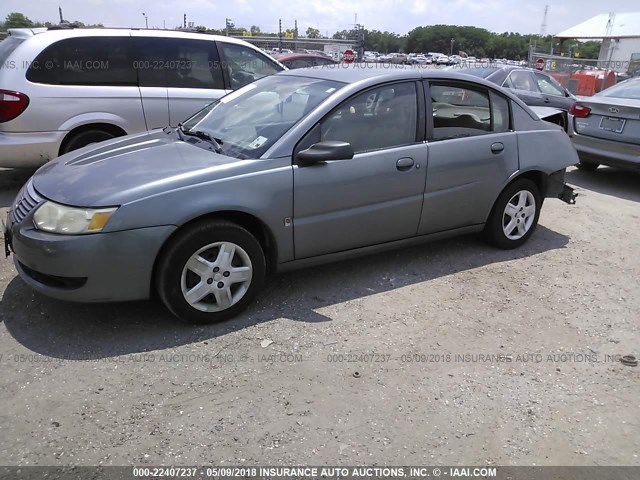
point(588, 166)
point(210, 272)
point(515, 215)
point(85, 138)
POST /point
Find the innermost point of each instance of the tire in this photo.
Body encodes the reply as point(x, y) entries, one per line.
point(500, 230)
point(85, 138)
point(588, 166)
point(205, 247)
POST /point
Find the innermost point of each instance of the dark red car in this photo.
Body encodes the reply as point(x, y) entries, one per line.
point(303, 60)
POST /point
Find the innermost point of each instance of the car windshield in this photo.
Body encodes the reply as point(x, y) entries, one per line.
point(628, 89)
point(247, 122)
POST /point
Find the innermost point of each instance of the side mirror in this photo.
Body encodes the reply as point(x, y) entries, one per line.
point(325, 151)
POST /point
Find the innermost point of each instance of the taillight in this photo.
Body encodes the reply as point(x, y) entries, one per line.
point(579, 111)
point(12, 104)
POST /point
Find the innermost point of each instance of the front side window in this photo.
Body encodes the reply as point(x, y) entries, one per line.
point(548, 86)
point(177, 63)
point(247, 122)
point(460, 111)
point(383, 117)
point(85, 61)
point(244, 65)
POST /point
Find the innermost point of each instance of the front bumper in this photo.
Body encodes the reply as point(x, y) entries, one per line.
point(114, 266)
point(29, 150)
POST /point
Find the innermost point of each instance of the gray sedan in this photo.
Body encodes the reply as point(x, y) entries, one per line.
point(299, 168)
point(605, 128)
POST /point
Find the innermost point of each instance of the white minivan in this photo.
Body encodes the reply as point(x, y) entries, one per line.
point(65, 88)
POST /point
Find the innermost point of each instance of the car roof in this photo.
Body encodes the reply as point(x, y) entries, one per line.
point(387, 72)
point(68, 32)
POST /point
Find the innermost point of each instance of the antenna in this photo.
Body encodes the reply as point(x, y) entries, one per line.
point(543, 26)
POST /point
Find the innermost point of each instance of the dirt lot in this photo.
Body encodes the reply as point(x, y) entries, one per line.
point(430, 331)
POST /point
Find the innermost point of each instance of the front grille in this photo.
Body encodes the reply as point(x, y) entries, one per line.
point(26, 201)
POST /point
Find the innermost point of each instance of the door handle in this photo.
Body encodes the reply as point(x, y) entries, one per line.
point(404, 163)
point(546, 100)
point(497, 147)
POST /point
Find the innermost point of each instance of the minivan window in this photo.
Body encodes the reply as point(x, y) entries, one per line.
point(177, 62)
point(85, 61)
point(7, 46)
point(244, 65)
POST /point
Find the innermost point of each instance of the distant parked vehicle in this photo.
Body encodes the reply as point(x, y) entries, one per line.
point(84, 86)
point(304, 60)
point(605, 128)
point(536, 89)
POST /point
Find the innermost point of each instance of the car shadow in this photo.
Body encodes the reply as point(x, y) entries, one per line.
point(11, 180)
point(93, 331)
point(611, 181)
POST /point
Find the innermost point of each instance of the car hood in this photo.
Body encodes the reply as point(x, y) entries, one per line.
point(131, 168)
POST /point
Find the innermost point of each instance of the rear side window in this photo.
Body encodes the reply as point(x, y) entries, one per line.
point(7, 46)
point(85, 61)
point(521, 80)
point(460, 111)
point(177, 63)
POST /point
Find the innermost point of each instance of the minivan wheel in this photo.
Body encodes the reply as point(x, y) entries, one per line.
point(515, 215)
point(210, 272)
point(588, 166)
point(85, 138)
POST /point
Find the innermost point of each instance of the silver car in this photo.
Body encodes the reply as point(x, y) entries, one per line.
point(295, 169)
point(64, 88)
point(605, 128)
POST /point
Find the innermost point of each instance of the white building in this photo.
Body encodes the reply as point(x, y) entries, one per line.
point(620, 35)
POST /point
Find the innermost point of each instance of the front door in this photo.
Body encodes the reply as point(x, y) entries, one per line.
point(375, 197)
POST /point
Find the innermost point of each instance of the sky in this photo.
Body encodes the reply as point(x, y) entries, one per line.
point(329, 16)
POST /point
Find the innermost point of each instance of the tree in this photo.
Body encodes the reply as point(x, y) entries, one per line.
point(313, 33)
point(255, 30)
point(17, 20)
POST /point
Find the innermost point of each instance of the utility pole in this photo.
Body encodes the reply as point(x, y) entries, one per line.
point(146, 20)
point(60, 12)
point(185, 20)
point(359, 42)
point(452, 42)
point(280, 35)
point(227, 25)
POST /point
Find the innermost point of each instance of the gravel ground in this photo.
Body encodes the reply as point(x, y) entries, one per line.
point(449, 353)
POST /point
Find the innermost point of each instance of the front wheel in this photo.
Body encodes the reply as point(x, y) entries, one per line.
point(210, 272)
point(515, 215)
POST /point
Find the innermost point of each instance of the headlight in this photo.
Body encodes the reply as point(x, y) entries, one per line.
point(51, 217)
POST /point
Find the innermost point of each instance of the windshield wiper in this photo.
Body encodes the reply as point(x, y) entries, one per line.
point(217, 143)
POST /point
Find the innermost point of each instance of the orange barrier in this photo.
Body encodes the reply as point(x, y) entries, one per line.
point(591, 82)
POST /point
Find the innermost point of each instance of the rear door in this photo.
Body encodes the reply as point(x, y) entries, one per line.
point(553, 94)
point(523, 84)
point(472, 152)
point(89, 78)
